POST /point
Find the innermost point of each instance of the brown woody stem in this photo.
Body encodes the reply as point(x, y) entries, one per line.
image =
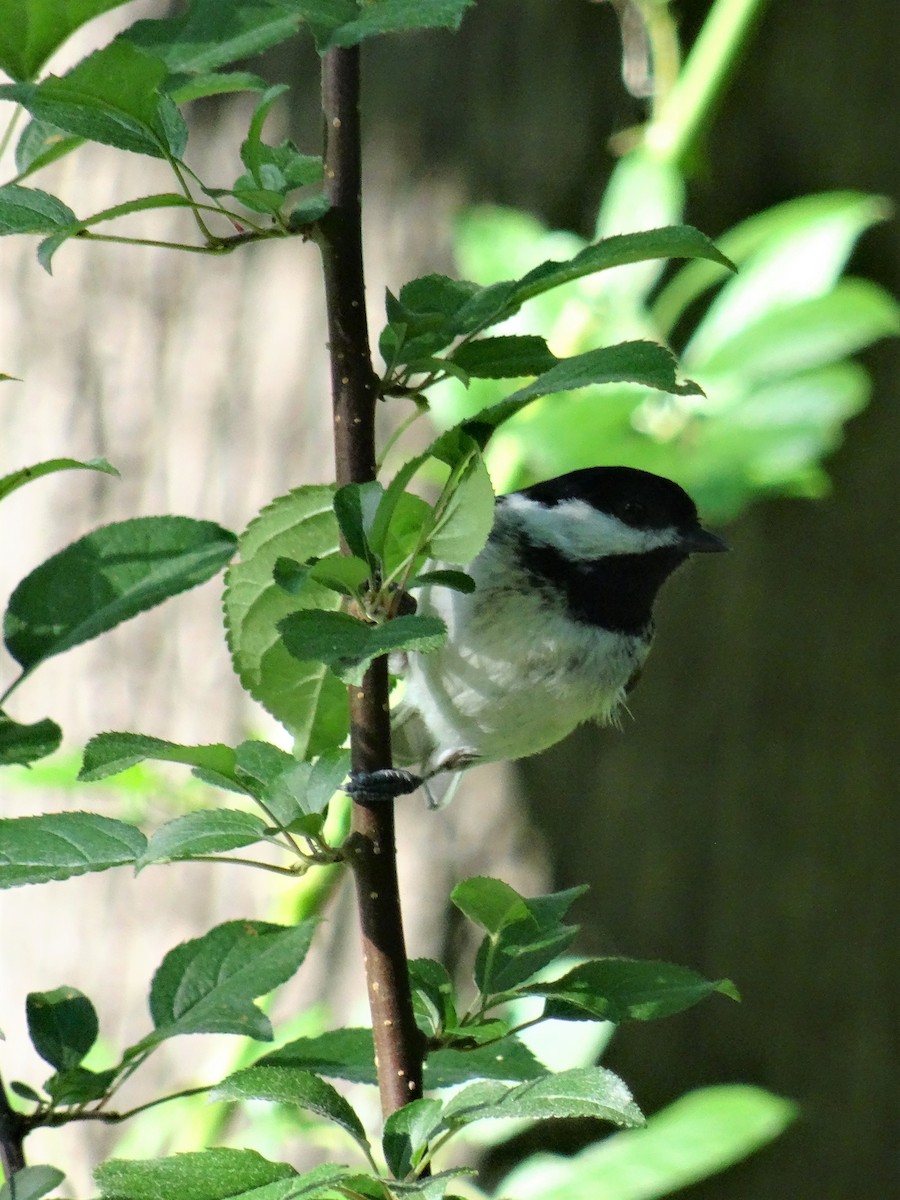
point(371, 846)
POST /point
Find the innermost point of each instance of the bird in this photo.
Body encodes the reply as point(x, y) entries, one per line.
point(559, 624)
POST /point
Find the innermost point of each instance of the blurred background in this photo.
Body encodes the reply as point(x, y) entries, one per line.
point(745, 821)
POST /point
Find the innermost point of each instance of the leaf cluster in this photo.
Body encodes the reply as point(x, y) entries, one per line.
point(477, 1069)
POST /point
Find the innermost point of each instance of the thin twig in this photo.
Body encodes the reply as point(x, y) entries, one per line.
point(370, 849)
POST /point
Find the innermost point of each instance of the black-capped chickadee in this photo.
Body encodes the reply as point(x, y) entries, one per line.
point(559, 624)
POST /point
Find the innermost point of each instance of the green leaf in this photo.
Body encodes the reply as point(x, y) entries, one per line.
point(24, 744)
point(792, 251)
point(49, 246)
point(209, 34)
point(77, 1085)
point(328, 773)
point(675, 241)
point(508, 1059)
point(434, 1003)
point(31, 30)
point(407, 1132)
point(113, 96)
point(306, 698)
point(580, 1092)
point(60, 845)
point(107, 577)
point(62, 1025)
point(341, 1054)
point(811, 333)
point(196, 834)
point(306, 212)
point(259, 764)
point(384, 16)
point(40, 145)
point(463, 527)
point(646, 363)
point(30, 1183)
point(110, 753)
point(287, 1085)
point(348, 645)
point(217, 1174)
point(9, 483)
point(799, 264)
point(355, 506)
point(698, 1136)
point(490, 903)
point(273, 171)
point(524, 936)
point(459, 581)
point(208, 984)
point(623, 989)
point(350, 1054)
point(507, 357)
point(28, 210)
point(184, 88)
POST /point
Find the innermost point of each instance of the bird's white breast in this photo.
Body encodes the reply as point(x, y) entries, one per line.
point(517, 673)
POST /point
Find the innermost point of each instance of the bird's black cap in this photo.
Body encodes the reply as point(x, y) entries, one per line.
point(637, 498)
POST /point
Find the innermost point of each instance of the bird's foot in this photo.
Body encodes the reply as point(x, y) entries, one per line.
point(386, 784)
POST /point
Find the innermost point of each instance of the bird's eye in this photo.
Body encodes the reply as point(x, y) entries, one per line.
point(632, 511)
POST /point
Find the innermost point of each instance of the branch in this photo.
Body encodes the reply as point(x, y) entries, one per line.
point(12, 1135)
point(371, 850)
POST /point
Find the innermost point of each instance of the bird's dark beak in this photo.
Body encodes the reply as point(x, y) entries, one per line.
point(702, 541)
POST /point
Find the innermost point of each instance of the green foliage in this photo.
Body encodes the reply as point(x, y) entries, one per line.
point(696, 1137)
point(769, 353)
point(553, 348)
point(31, 1183)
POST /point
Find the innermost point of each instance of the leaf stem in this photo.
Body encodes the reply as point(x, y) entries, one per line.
point(687, 109)
point(13, 1127)
point(370, 848)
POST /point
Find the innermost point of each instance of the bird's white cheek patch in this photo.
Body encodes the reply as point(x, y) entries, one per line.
point(577, 529)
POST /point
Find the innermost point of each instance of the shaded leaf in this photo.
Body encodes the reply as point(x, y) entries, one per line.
point(24, 744)
point(62, 1025)
point(506, 357)
point(348, 645)
point(107, 577)
point(60, 845)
